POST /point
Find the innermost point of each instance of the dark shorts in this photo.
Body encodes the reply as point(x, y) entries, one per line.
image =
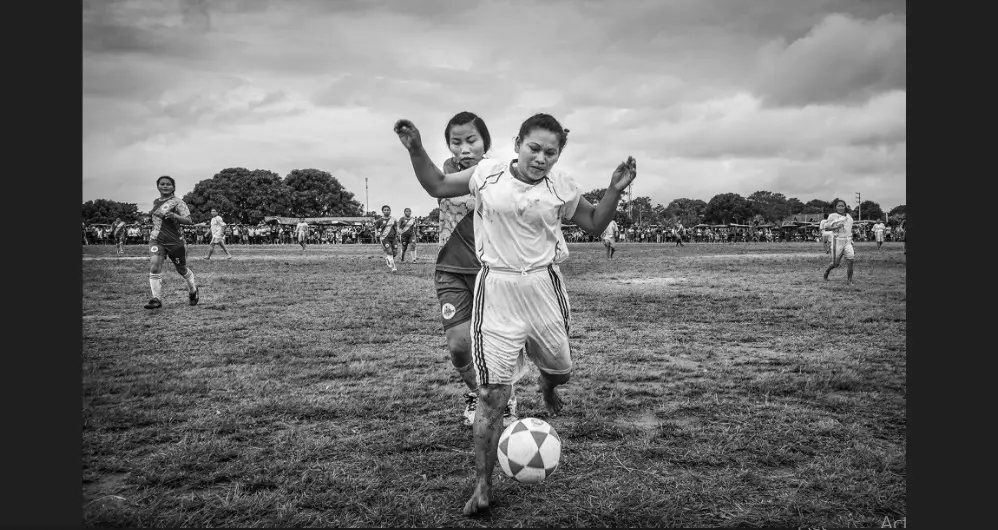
point(408, 240)
point(455, 293)
point(177, 252)
point(390, 245)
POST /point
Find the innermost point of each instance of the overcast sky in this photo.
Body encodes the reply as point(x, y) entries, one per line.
point(801, 97)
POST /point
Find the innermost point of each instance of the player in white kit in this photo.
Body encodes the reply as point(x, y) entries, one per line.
point(878, 232)
point(826, 235)
point(520, 297)
point(608, 235)
point(840, 223)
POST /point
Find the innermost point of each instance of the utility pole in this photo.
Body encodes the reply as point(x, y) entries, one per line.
point(367, 202)
point(859, 211)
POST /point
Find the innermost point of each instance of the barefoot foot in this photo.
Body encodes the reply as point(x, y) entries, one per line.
point(479, 502)
point(552, 401)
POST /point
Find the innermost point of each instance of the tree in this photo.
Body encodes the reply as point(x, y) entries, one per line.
point(727, 208)
point(434, 215)
point(244, 196)
point(105, 211)
point(771, 207)
point(898, 210)
point(316, 193)
point(687, 211)
point(818, 206)
point(594, 196)
point(640, 210)
point(795, 206)
point(871, 210)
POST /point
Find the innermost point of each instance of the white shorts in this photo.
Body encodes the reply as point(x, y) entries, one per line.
point(512, 310)
point(842, 248)
point(217, 239)
point(880, 237)
point(607, 241)
point(826, 237)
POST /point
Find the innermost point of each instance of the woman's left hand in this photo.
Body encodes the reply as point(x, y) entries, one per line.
point(624, 174)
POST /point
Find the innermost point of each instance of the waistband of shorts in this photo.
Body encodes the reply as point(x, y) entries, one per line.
point(522, 272)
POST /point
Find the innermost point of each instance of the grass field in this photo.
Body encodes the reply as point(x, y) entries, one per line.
point(715, 385)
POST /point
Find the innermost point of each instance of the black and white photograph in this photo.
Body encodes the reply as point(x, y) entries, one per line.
point(511, 263)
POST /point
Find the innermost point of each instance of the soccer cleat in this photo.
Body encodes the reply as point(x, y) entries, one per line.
point(471, 403)
point(509, 413)
point(193, 297)
point(154, 303)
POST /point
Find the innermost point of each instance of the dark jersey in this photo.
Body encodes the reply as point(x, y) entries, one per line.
point(168, 230)
point(457, 231)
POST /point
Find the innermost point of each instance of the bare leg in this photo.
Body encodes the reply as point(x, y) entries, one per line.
point(849, 270)
point(488, 424)
point(459, 345)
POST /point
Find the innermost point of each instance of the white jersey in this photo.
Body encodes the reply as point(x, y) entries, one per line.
point(518, 225)
point(879, 229)
point(301, 228)
point(611, 229)
point(217, 226)
point(843, 230)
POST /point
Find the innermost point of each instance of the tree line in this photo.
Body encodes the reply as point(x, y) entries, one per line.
point(247, 196)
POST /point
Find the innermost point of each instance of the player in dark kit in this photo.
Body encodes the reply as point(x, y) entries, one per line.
point(166, 240)
point(407, 234)
point(387, 230)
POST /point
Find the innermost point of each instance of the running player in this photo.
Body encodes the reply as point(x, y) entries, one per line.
point(878, 232)
point(457, 264)
point(826, 235)
point(520, 297)
point(608, 236)
point(387, 228)
point(840, 223)
point(407, 234)
point(301, 230)
point(118, 229)
point(168, 213)
point(217, 234)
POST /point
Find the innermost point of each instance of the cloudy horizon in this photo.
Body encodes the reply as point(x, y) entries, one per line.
point(801, 97)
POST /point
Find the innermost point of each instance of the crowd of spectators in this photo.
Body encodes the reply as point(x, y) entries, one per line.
point(235, 234)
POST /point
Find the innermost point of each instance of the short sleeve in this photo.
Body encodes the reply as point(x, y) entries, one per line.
point(569, 192)
point(484, 168)
point(182, 209)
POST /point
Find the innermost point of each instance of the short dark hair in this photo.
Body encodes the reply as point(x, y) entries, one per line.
point(465, 117)
point(548, 123)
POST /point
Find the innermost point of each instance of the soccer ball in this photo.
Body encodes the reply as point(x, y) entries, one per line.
point(529, 450)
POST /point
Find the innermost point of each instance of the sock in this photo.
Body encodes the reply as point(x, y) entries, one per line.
point(156, 284)
point(391, 262)
point(191, 284)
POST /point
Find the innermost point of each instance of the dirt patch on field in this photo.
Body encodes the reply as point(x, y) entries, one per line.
point(652, 281)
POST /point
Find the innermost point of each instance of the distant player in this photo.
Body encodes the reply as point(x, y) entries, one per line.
point(168, 213)
point(840, 223)
point(217, 234)
point(826, 235)
point(878, 233)
point(609, 236)
point(301, 231)
point(678, 232)
point(386, 228)
point(407, 234)
point(118, 230)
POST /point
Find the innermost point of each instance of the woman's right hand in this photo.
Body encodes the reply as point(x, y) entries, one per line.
point(408, 134)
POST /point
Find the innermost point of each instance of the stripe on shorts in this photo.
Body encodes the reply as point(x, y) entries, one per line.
point(559, 294)
point(483, 371)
